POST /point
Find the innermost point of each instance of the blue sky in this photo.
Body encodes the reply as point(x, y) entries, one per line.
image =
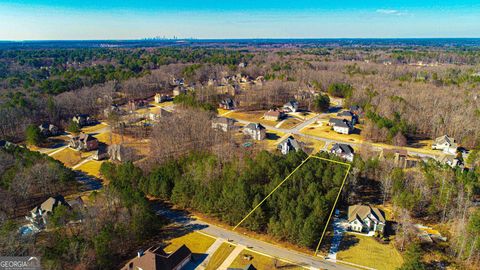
point(132, 19)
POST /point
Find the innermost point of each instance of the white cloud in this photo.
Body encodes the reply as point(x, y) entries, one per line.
point(390, 12)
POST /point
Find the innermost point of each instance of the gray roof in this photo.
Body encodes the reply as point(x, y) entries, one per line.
point(290, 141)
point(345, 148)
point(255, 126)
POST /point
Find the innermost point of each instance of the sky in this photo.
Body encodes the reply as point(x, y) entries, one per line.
point(211, 19)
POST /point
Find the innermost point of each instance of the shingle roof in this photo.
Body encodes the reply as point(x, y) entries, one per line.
point(362, 211)
point(345, 148)
point(254, 126)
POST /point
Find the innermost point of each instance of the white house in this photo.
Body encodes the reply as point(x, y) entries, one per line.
point(446, 144)
point(342, 126)
point(366, 219)
point(342, 150)
point(291, 106)
point(289, 144)
point(256, 131)
point(223, 123)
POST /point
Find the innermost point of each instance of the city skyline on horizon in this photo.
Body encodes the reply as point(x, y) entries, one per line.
point(303, 19)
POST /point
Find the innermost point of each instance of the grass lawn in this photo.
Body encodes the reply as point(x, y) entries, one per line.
point(366, 251)
point(219, 256)
point(91, 167)
point(312, 143)
point(290, 123)
point(92, 129)
point(261, 262)
point(325, 131)
point(163, 104)
point(196, 242)
point(70, 157)
point(253, 116)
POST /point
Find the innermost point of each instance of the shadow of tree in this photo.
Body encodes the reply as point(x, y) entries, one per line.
point(348, 241)
point(272, 136)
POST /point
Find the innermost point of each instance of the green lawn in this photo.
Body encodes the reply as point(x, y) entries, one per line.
point(366, 251)
point(219, 256)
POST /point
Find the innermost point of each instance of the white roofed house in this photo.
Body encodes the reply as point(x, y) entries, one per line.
point(48, 130)
point(159, 98)
point(256, 131)
point(179, 90)
point(366, 219)
point(446, 144)
point(39, 215)
point(342, 150)
point(227, 104)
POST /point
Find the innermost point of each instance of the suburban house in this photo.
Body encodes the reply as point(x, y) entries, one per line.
point(112, 109)
point(291, 106)
point(342, 150)
point(155, 258)
point(159, 98)
point(451, 161)
point(400, 158)
point(83, 142)
point(5, 144)
point(134, 105)
point(160, 114)
point(179, 90)
point(39, 215)
point(223, 123)
point(446, 144)
point(101, 153)
point(353, 118)
point(366, 219)
point(227, 104)
point(341, 125)
point(273, 115)
point(256, 131)
point(356, 109)
point(48, 130)
point(84, 120)
point(289, 144)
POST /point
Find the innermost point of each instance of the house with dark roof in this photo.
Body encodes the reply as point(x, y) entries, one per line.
point(291, 106)
point(159, 98)
point(366, 219)
point(341, 125)
point(353, 118)
point(256, 131)
point(83, 142)
point(227, 104)
point(155, 258)
point(84, 120)
point(48, 130)
point(289, 144)
point(342, 150)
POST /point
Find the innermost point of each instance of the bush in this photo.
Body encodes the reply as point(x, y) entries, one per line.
point(321, 103)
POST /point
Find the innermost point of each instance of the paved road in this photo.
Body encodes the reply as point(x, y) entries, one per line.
point(256, 245)
point(297, 131)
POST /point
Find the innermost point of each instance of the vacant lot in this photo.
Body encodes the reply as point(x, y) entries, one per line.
point(261, 262)
point(253, 116)
point(196, 242)
point(93, 129)
point(219, 256)
point(70, 157)
point(91, 167)
point(366, 251)
point(324, 131)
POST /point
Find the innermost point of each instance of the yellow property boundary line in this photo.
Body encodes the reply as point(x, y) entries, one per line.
point(288, 176)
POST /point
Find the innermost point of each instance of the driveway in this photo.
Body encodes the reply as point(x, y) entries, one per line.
point(253, 244)
point(339, 228)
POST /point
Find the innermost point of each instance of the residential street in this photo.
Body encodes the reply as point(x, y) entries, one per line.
point(253, 244)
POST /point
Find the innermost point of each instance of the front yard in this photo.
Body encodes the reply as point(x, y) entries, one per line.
point(261, 262)
point(366, 251)
point(196, 242)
